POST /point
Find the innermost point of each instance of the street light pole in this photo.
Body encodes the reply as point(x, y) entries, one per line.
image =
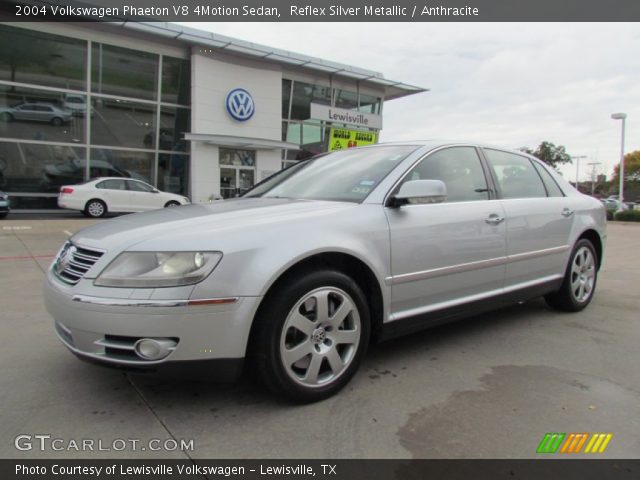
point(577, 158)
point(593, 176)
point(623, 117)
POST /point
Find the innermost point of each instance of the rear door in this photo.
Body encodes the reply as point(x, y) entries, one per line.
point(451, 253)
point(115, 194)
point(539, 219)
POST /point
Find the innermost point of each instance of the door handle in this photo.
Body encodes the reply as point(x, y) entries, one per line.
point(494, 219)
point(567, 212)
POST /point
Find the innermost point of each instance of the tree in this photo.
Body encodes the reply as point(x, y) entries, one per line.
point(550, 154)
point(631, 176)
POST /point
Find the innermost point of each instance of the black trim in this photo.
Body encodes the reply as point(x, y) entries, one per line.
point(217, 369)
point(409, 325)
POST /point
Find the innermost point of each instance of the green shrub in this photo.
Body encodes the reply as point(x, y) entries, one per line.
point(628, 216)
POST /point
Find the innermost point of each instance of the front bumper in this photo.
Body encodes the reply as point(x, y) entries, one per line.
point(104, 330)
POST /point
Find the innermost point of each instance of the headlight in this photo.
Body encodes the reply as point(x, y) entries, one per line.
point(158, 269)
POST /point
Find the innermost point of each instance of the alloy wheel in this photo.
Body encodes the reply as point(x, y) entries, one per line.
point(583, 274)
point(320, 337)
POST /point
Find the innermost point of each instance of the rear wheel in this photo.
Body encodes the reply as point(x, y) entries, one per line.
point(312, 335)
point(172, 203)
point(56, 121)
point(580, 279)
point(95, 208)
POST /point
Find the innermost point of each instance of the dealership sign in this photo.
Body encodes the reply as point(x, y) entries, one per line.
point(240, 104)
point(341, 138)
point(342, 115)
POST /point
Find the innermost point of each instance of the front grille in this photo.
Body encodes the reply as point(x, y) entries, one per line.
point(74, 261)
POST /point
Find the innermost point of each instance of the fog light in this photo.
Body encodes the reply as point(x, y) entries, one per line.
point(154, 348)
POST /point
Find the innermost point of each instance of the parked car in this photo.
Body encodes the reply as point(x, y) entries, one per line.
point(5, 205)
point(97, 197)
point(37, 112)
point(76, 104)
point(72, 171)
point(612, 205)
point(299, 276)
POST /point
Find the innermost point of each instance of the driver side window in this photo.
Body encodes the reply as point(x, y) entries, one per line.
point(460, 170)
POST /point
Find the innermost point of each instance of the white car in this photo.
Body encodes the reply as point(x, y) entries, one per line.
point(113, 194)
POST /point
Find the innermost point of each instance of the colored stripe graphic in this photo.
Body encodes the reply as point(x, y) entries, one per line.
point(598, 443)
point(574, 443)
point(550, 442)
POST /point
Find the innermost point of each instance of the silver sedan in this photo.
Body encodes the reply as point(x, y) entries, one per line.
point(300, 274)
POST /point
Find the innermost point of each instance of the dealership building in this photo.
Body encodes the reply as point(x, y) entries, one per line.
point(188, 111)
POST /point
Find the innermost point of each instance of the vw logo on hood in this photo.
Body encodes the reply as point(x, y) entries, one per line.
point(64, 258)
point(240, 104)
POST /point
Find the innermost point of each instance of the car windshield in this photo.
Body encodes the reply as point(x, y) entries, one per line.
point(346, 176)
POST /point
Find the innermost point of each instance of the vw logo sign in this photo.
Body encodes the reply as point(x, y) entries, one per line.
point(64, 258)
point(240, 104)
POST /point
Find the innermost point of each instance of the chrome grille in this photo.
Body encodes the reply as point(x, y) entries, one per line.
point(74, 261)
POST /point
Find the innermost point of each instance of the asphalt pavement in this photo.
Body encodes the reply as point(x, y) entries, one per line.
point(490, 386)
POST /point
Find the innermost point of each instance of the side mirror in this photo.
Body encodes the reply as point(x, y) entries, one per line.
point(419, 192)
point(155, 190)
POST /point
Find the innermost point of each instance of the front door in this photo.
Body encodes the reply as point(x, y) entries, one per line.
point(237, 171)
point(451, 253)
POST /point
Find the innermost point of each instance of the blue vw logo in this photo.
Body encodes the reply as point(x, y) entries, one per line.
point(240, 104)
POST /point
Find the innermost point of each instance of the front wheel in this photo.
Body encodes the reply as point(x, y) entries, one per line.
point(580, 279)
point(172, 203)
point(312, 335)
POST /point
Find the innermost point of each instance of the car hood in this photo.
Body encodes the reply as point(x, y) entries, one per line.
point(170, 226)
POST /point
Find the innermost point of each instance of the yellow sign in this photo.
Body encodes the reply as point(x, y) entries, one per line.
point(341, 139)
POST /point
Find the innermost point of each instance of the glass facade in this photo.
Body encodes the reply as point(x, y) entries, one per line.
point(313, 135)
point(72, 110)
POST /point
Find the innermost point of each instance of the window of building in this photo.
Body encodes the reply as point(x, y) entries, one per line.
point(123, 123)
point(173, 173)
point(124, 72)
point(459, 168)
point(303, 95)
point(43, 115)
point(176, 81)
point(369, 104)
point(346, 99)
point(30, 56)
point(106, 162)
point(517, 178)
point(174, 123)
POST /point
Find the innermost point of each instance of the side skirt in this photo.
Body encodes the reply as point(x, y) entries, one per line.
point(398, 328)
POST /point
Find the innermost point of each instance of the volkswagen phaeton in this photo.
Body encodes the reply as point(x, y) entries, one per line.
point(299, 275)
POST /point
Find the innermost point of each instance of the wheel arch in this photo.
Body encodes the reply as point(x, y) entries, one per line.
point(343, 262)
point(594, 237)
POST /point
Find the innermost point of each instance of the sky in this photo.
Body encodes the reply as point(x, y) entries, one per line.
point(508, 84)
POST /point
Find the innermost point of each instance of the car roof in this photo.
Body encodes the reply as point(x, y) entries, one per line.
point(436, 143)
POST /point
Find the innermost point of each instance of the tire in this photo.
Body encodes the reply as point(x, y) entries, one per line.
point(609, 215)
point(4, 215)
point(302, 353)
point(95, 208)
point(6, 117)
point(172, 203)
point(580, 279)
point(56, 121)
